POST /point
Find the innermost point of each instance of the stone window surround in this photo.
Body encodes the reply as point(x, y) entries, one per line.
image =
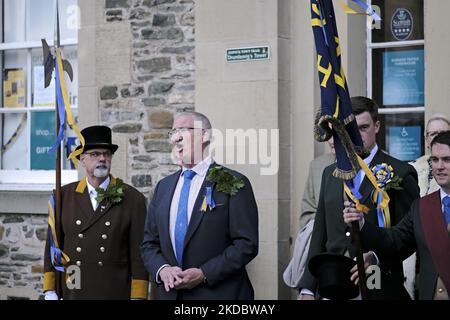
point(24, 202)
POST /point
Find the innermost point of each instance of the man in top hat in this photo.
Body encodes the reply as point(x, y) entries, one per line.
point(99, 233)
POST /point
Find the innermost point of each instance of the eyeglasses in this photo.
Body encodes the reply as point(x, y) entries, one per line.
point(180, 130)
point(97, 154)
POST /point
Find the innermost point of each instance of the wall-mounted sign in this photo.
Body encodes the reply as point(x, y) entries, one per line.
point(42, 96)
point(405, 142)
point(402, 24)
point(403, 78)
point(43, 137)
point(248, 54)
point(14, 88)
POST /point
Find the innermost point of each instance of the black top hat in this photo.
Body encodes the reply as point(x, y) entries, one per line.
point(333, 276)
point(97, 137)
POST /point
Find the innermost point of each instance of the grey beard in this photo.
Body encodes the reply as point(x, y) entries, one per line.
point(101, 172)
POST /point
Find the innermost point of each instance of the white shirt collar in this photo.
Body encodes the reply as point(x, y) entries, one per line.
point(369, 159)
point(104, 185)
point(443, 194)
point(202, 167)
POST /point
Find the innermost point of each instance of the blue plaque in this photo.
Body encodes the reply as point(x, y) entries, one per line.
point(405, 142)
point(403, 78)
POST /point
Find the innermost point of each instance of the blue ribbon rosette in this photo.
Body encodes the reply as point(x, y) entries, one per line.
point(208, 200)
point(384, 174)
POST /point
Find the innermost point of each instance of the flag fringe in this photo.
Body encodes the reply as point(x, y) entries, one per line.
point(322, 123)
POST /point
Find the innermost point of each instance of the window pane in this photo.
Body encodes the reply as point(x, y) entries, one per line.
point(70, 53)
point(69, 19)
point(14, 20)
point(43, 137)
point(401, 20)
point(41, 19)
point(398, 77)
point(46, 96)
point(401, 135)
point(13, 128)
point(14, 83)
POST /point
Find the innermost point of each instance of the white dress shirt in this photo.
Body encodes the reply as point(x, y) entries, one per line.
point(93, 194)
point(443, 195)
point(201, 170)
point(368, 160)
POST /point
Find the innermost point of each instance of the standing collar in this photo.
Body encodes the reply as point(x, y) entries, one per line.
point(202, 167)
point(104, 185)
point(443, 194)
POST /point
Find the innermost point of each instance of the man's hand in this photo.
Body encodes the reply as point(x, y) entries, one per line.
point(170, 276)
point(190, 278)
point(352, 214)
point(306, 297)
point(369, 260)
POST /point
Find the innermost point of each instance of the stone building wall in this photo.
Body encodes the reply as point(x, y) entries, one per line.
point(22, 242)
point(162, 83)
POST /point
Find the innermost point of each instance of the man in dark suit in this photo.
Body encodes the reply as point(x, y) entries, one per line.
point(425, 228)
point(101, 237)
point(331, 234)
point(198, 236)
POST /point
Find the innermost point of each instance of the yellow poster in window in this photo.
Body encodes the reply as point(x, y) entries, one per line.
point(14, 89)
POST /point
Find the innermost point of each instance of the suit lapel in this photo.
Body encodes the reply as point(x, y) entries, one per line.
point(163, 212)
point(197, 214)
point(337, 196)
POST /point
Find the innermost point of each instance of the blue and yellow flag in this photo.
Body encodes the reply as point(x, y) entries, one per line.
point(64, 110)
point(336, 118)
point(336, 107)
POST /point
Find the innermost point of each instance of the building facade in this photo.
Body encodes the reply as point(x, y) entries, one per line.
point(140, 62)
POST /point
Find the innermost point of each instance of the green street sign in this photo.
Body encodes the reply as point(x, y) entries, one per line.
point(248, 54)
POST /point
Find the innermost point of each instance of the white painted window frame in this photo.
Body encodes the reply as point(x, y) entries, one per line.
point(32, 180)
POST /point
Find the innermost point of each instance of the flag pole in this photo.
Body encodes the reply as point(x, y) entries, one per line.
point(356, 241)
point(58, 159)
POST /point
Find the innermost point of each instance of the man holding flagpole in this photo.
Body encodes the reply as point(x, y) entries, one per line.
point(101, 226)
point(331, 234)
point(358, 174)
point(425, 229)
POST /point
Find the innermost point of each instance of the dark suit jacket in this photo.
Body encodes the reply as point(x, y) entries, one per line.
point(220, 242)
point(401, 241)
point(109, 273)
point(330, 231)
